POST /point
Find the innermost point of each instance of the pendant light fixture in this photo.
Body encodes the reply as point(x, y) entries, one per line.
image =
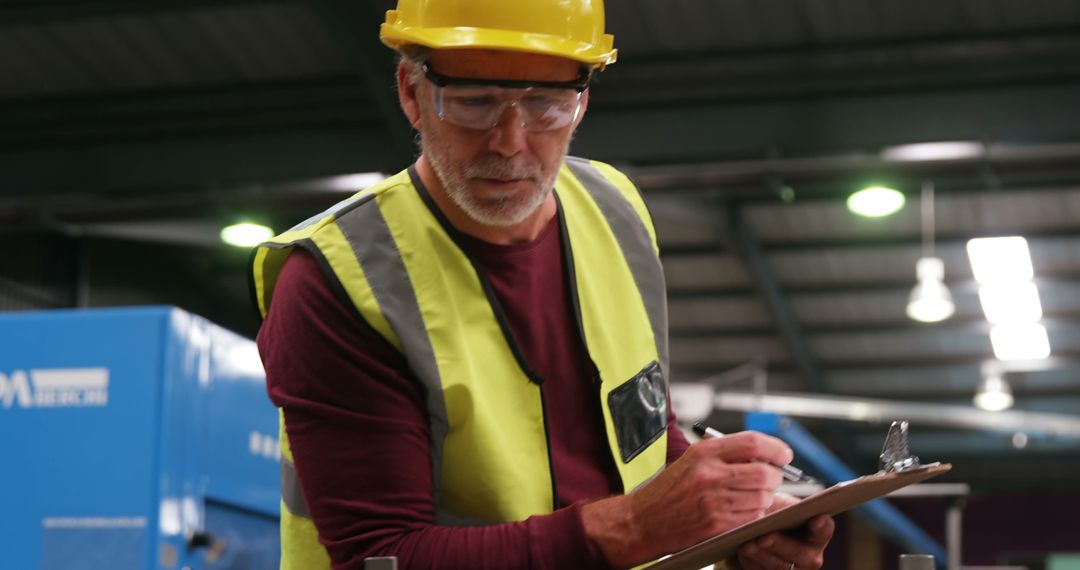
point(930, 300)
point(993, 393)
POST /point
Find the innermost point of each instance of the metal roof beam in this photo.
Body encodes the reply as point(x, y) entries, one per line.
point(354, 28)
point(39, 13)
point(1061, 359)
point(954, 326)
point(944, 237)
point(847, 69)
point(1054, 277)
point(821, 126)
point(160, 115)
point(743, 240)
point(133, 179)
point(885, 411)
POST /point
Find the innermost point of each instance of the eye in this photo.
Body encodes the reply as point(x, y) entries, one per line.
point(474, 101)
point(539, 100)
point(544, 100)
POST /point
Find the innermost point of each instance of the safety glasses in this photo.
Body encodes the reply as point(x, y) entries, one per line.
point(480, 103)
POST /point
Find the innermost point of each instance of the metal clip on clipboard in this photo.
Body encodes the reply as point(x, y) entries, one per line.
point(896, 454)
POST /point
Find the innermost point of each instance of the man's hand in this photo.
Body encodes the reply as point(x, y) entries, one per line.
point(779, 551)
point(717, 485)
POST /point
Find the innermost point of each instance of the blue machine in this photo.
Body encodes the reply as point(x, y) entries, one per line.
point(134, 439)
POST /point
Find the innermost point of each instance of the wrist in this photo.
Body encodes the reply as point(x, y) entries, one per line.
point(611, 525)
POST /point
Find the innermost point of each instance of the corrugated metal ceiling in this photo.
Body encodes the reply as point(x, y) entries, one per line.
point(183, 49)
point(648, 27)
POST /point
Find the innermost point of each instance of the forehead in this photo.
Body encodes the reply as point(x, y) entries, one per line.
point(507, 65)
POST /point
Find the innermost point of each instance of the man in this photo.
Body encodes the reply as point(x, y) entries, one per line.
point(471, 357)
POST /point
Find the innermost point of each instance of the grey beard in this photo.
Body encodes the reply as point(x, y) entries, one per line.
point(510, 210)
point(504, 212)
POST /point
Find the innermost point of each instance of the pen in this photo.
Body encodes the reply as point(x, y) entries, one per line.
point(790, 473)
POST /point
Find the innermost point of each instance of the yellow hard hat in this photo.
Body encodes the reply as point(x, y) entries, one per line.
point(573, 29)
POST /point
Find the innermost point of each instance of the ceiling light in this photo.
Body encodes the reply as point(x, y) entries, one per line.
point(876, 202)
point(930, 299)
point(246, 234)
point(1006, 303)
point(1024, 341)
point(354, 182)
point(1000, 259)
point(944, 150)
point(993, 393)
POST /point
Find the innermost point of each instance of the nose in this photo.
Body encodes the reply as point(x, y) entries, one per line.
point(507, 137)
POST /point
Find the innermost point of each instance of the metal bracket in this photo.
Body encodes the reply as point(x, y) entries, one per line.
point(896, 454)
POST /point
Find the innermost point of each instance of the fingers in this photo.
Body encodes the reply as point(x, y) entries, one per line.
point(718, 484)
point(781, 500)
point(753, 477)
point(821, 531)
point(776, 550)
point(752, 557)
point(705, 468)
point(736, 501)
point(734, 494)
point(749, 446)
point(698, 496)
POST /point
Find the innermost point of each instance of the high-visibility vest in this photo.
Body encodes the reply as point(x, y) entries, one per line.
point(403, 266)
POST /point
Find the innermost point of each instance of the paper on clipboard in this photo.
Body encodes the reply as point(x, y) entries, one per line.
point(836, 499)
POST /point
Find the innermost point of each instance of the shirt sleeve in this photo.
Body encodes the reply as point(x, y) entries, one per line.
point(358, 429)
point(676, 439)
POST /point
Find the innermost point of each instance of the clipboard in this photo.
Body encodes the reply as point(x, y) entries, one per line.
point(836, 499)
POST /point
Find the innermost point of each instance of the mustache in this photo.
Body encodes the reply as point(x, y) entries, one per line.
point(502, 168)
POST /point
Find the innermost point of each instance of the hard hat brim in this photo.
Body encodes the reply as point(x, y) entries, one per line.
point(460, 37)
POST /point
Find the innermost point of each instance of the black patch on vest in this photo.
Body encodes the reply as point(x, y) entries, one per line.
point(639, 409)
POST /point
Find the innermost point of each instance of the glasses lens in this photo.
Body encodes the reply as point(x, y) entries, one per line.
point(482, 107)
point(547, 109)
point(471, 107)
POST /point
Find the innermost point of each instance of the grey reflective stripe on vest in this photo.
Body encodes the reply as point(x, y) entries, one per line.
point(290, 490)
point(367, 233)
point(636, 245)
point(348, 203)
point(369, 237)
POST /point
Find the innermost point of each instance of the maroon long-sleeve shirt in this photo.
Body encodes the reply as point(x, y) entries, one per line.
point(358, 426)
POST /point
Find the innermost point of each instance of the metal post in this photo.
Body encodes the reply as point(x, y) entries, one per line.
point(953, 533)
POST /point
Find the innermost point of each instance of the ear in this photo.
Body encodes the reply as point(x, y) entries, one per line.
point(408, 96)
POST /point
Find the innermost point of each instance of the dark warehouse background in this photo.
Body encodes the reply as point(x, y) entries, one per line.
point(131, 132)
